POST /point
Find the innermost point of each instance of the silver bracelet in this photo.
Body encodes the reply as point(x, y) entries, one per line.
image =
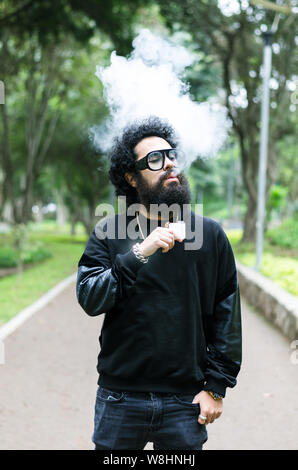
point(139, 254)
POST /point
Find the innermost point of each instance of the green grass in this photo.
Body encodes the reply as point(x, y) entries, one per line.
point(279, 260)
point(20, 291)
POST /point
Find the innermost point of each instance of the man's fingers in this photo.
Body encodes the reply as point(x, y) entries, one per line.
point(169, 240)
point(211, 417)
point(202, 421)
point(203, 418)
point(164, 245)
point(206, 421)
point(209, 408)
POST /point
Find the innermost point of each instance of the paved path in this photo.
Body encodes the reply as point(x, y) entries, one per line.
point(48, 385)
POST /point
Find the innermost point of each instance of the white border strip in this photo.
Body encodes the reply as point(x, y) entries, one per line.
point(22, 316)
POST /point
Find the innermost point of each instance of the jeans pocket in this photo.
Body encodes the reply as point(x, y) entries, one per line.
point(186, 400)
point(109, 396)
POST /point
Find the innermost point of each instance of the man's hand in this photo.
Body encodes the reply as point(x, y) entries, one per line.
point(209, 407)
point(160, 237)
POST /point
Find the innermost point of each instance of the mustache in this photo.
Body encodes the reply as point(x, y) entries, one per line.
point(175, 172)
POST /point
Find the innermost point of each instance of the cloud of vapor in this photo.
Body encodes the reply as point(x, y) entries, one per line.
point(149, 82)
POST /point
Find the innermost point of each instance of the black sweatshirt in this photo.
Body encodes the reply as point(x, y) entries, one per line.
point(172, 324)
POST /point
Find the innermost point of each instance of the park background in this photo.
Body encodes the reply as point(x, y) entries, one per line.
point(52, 177)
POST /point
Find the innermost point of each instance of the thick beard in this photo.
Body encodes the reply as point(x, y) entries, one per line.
point(169, 193)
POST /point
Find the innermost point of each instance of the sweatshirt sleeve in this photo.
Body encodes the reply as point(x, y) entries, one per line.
point(224, 337)
point(101, 283)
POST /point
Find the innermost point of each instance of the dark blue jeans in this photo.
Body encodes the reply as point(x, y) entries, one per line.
point(129, 420)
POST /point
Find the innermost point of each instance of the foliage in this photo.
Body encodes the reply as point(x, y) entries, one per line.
point(19, 250)
point(8, 257)
point(35, 93)
point(48, 70)
point(55, 99)
point(280, 257)
point(57, 19)
point(48, 54)
point(277, 200)
point(287, 169)
point(36, 255)
point(233, 38)
point(280, 269)
point(285, 235)
point(75, 169)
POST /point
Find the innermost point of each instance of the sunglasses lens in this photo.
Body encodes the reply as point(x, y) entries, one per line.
point(155, 160)
point(173, 154)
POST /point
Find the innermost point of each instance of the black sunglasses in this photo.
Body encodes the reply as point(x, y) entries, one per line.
point(155, 160)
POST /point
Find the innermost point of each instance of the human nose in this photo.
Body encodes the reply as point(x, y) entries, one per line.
point(168, 163)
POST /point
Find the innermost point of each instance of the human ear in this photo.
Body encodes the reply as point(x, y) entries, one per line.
point(130, 179)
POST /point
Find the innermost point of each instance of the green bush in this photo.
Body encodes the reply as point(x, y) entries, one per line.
point(36, 255)
point(277, 197)
point(8, 258)
point(286, 235)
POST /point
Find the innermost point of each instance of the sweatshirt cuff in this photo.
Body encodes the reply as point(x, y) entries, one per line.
point(129, 261)
point(214, 386)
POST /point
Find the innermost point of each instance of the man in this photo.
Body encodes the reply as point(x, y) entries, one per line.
point(171, 337)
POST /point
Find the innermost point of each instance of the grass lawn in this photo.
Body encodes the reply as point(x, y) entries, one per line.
point(20, 291)
point(279, 262)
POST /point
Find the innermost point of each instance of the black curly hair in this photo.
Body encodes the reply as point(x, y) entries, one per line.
point(122, 153)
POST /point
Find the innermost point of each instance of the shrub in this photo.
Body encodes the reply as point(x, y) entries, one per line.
point(285, 235)
point(8, 257)
point(36, 255)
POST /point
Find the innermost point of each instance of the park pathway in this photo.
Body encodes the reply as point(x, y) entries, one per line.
point(48, 384)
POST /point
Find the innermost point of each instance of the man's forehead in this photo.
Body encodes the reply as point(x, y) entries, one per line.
point(148, 144)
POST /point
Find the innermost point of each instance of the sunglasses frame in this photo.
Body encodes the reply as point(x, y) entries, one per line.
point(142, 164)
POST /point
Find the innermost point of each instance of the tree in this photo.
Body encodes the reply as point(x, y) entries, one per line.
point(77, 172)
point(77, 18)
point(234, 39)
point(34, 99)
point(39, 41)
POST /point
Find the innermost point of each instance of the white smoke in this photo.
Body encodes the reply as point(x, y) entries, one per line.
point(148, 83)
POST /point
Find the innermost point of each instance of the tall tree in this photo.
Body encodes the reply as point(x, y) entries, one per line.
point(78, 18)
point(34, 96)
point(39, 41)
point(77, 171)
point(234, 39)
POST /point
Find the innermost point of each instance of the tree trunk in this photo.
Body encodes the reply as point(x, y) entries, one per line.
point(73, 227)
point(231, 188)
point(250, 219)
point(251, 179)
point(250, 166)
point(8, 191)
point(38, 216)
